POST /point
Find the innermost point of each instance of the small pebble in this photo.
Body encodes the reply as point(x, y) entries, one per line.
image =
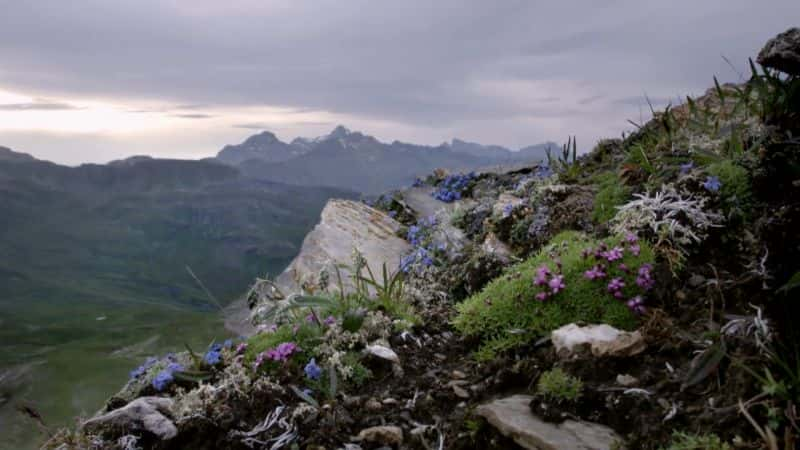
point(627, 380)
point(459, 375)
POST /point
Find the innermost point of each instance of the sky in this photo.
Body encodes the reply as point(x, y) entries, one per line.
point(94, 80)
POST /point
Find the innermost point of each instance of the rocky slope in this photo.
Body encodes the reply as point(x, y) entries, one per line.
point(640, 296)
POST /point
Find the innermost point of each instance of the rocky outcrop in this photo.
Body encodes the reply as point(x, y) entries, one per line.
point(513, 418)
point(345, 226)
point(782, 52)
point(149, 414)
point(601, 340)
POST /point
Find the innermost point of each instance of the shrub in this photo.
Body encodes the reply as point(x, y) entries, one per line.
point(684, 441)
point(612, 193)
point(558, 386)
point(570, 280)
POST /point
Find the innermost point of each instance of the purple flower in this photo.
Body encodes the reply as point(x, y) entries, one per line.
point(241, 348)
point(312, 370)
point(283, 351)
point(631, 238)
point(616, 284)
point(594, 273)
point(556, 283)
point(636, 304)
point(623, 267)
point(541, 276)
point(685, 168)
point(613, 255)
point(541, 296)
point(330, 320)
point(508, 209)
point(163, 380)
point(645, 279)
point(635, 249)
point(712, 184)
point(212, 357)
point(310, 318)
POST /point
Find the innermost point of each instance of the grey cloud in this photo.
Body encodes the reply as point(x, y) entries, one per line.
point(37, 105)
point(193, 116)
point(414, 63)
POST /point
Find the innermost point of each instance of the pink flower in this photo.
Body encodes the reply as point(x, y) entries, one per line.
point(594, 273)
point(541, 276)
point(636, 304)
point(616, 284)
point(283, 351)
point(557, 283)
point(613, 255)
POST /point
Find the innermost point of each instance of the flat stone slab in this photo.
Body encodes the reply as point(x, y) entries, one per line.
point(513, 418)
point(143, 414)
point(602, 340)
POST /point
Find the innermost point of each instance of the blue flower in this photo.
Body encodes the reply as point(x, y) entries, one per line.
point(543, 171)
point(148, 363)
point(212, 357)
point(215, 347)
point(308, 392)
point(175, 367)
point(392, 214)
point(163, 380)
point(313, 371)
point(685, 168)
point(712, 184)
point(508, 209)
point(228, 343)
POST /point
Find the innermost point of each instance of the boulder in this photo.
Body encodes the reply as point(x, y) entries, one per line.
point(513, 418)
point(148, 414)
point(602, 340)
point(782, 52)
point(345, 225)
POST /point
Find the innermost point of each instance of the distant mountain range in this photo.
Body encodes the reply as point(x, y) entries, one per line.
point(127, 230)
point(355, 161)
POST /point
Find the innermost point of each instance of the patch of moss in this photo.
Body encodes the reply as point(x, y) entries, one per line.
point(612, 193)
point(557, 385)
point(684, 441)
point(506, 313)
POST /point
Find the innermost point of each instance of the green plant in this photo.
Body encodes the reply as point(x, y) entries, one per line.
point(612, 193)
point(736, 190)
point(558, 386)
point(685, 441)
point(511, 310)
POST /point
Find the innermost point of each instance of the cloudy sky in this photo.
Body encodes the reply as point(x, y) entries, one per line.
point(92, 81)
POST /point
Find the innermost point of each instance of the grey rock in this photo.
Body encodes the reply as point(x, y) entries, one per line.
point(513, 418)
point(383, 352)
point(143, 414)
point(602, 340)
point(782, 52)
point(384, 435)
point(626, 380)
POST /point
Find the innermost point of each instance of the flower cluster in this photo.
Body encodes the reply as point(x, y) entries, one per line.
point(607, 260)
point(164, 378)
point(543, 171)
point(417, 182)
point(420, 236)
point(281, 353)
point(214, 354)
point(453, 187)
point(141, 370)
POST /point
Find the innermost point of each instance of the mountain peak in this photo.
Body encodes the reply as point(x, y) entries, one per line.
point(339, 132)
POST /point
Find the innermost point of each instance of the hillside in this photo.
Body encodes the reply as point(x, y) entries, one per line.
point(640, 296)
point(128, 231)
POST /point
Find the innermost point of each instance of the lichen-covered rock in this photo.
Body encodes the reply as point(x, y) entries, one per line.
point(512, 417)
point(149, 414)
point(782, 52)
